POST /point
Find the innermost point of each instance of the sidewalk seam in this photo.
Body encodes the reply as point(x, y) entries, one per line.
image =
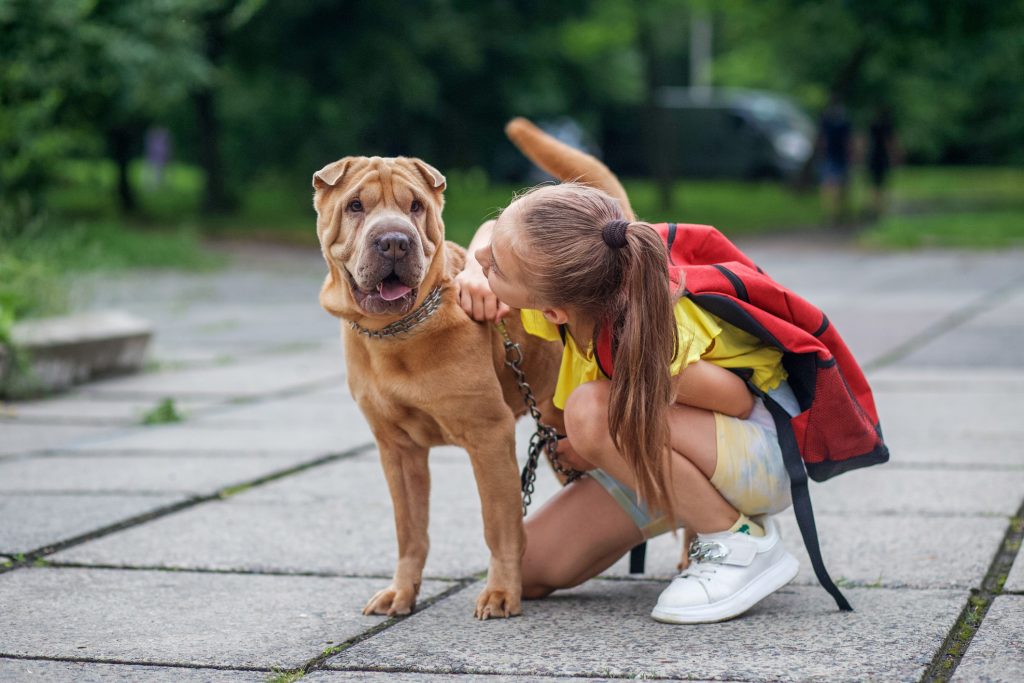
point(127, 662)
point(986, 302)
point(317, 663)
point(33, 556)
point(949, 655)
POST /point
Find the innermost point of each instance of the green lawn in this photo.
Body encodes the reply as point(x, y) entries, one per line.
point(975, 230)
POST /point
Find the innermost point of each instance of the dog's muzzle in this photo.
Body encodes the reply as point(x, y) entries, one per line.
point(390, 270)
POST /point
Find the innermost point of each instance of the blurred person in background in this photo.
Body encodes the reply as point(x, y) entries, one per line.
point(834, 141)
point(882, 154)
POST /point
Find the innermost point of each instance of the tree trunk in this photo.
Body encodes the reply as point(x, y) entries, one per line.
point(120, 141)
point(216, 198)
point(657, 128)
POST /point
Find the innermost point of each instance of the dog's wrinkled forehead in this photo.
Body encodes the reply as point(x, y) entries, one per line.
point(377, 183)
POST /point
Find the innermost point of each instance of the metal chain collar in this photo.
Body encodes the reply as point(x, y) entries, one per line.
point(545, 438)
point(402, 326)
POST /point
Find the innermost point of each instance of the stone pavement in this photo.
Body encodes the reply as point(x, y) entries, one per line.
point(243, 541)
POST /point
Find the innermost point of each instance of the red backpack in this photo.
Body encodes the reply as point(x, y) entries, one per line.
point(837, 429)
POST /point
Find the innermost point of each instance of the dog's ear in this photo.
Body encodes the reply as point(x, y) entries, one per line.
point(332, 296)
point(431, 175)
point(329, 175)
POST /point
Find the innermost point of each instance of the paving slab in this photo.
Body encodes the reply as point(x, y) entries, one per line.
point(996, 653)
point(408, 677)
point(1015, 579)
point(976, 343)
point(892, 490)
point(113, 474)
point(232, 620)
point(319, 410)
point(19, 670)
point(336, 518)
point(207, 437)
point(947, 380)
point(993, 453)
point(872, 333)
point(891, 552)
point(603, 628)
point(247, 378)
point(34, 521)
point(939, 415)
point(89, 410)
point(16, 438)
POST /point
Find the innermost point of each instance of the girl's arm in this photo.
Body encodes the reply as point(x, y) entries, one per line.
point(475, 295)
point(703, 384)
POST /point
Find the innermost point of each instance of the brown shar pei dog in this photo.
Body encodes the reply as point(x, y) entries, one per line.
point(442, 380)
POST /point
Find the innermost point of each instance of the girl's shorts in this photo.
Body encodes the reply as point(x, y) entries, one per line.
point(750, 473)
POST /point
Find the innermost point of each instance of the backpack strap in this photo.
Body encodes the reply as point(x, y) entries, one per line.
point(637, 555)
point(802, 499)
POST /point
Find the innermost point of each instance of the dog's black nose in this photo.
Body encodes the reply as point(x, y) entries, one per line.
point(393, 245)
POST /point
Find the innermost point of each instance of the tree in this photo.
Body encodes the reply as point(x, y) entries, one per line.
point(79, 74)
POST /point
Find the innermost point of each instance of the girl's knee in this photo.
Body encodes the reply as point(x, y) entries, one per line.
point(586, 416)
point(536, 591)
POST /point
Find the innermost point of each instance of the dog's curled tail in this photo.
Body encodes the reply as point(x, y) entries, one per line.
point(565, 162)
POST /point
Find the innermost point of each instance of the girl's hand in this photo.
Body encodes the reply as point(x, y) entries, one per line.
point(568, 457)
point(475, 295)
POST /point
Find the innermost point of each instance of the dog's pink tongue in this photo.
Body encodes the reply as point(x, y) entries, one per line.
point(389, 291)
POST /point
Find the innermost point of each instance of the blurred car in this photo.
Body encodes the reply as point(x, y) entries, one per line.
point(713, 133)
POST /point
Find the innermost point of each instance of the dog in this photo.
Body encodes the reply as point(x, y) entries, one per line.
point(422, 371)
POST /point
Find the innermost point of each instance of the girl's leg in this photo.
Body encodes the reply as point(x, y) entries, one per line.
point(697, 504)
point(575, 535)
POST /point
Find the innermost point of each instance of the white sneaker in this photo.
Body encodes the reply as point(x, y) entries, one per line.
point(728, 574)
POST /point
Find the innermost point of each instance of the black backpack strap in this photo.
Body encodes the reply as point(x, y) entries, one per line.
point(636, 558)
point(802, 500)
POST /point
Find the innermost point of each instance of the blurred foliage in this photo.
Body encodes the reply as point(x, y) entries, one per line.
point(952, 70)
point(259, 93)
point(77, 73)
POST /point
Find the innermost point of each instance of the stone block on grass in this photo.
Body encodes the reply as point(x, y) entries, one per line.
point(70, 349)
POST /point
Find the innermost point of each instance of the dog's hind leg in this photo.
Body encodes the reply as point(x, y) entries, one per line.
point(408, 476)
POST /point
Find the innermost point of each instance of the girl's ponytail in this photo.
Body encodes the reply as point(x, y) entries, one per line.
point(643, 324)
point(578, 251)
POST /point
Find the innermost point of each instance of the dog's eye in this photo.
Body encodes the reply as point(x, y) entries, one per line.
point(416, 206)
point(355, 205)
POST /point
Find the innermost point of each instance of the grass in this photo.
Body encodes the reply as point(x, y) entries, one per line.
point(975, 230)
point(164, 412)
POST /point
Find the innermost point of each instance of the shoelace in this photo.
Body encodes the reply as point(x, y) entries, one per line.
point(700, 571)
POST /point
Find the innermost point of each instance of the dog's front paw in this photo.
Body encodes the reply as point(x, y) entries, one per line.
point(392, 601)
point(495, 602)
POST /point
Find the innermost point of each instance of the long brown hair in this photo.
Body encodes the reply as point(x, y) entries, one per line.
point(569, 264)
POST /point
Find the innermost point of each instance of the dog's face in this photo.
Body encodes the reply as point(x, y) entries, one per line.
point(379, 224)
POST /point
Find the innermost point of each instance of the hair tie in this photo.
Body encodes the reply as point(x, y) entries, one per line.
point(614, 233)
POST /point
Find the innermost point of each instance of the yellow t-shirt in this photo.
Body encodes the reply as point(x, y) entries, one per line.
point(702, 336)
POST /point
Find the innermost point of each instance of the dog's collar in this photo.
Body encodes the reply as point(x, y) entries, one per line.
point(407, 323)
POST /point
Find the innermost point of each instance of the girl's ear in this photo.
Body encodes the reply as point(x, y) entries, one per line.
point(558, 316)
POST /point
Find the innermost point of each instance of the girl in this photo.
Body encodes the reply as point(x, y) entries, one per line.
point(672, 438)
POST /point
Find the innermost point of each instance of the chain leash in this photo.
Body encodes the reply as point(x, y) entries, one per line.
point(545, 438)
